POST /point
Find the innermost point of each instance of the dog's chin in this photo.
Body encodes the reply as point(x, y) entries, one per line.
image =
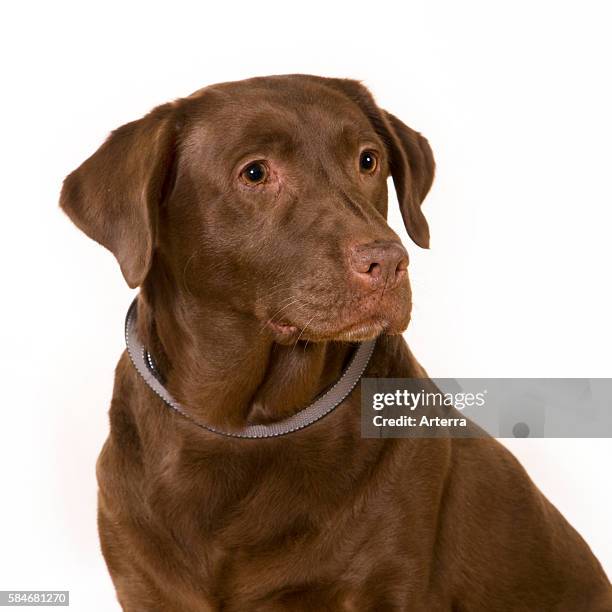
point(367, 328)
point(359, 332)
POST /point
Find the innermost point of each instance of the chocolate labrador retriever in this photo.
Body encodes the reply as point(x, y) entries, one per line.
point(252, 215)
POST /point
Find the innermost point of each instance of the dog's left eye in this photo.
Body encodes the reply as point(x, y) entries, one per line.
point(368, 161)
point(255, 173)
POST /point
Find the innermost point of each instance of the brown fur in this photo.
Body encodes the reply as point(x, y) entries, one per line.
point(250, 298)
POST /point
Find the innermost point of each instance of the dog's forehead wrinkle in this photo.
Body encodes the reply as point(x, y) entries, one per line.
point(297, 94)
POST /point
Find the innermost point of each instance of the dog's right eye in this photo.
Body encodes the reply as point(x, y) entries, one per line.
point(368, 162)
point(255, 173)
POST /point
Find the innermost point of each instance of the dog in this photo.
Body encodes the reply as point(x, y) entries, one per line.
point(252, 216)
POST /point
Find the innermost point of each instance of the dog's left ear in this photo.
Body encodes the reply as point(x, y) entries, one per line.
point(412, 167)
point(410, 157)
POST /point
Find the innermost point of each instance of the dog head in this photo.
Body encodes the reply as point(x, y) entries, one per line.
point(267, 197)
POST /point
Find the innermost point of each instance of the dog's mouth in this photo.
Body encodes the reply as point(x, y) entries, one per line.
point(356, 317)
point(359, 330)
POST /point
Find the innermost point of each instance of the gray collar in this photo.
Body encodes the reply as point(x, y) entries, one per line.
point(322, 405)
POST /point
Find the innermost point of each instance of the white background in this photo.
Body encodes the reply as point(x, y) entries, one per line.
point(515, 98)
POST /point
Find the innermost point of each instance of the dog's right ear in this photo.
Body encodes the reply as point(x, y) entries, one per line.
point(114, 195)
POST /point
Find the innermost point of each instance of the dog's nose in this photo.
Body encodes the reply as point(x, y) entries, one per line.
point(378, 264)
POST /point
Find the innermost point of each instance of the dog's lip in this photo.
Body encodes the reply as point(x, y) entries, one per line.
point(356, 331)
point(282, 328)
point(365, 326)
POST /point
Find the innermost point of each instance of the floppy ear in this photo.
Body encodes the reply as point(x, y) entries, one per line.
point(410, 157)
point(412, 168)
point(114, 195)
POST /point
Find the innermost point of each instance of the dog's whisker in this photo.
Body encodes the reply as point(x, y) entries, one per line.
point(185, 283)
point(276, 289)
point(295, 300)
point(302, 332)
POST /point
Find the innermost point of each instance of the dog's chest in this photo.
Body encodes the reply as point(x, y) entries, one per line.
point(266, 551)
